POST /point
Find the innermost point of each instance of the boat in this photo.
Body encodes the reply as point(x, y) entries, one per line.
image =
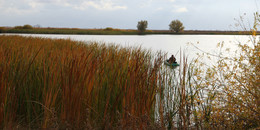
point(175, 64)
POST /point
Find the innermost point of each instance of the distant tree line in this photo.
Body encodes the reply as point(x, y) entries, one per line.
point(26, 26)
point(175, 26)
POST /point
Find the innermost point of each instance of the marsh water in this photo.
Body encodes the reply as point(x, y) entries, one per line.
point(170, 44)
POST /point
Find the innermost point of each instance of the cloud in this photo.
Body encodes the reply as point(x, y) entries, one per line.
point(159, 9)
point(19, 7)
point(100, 5)
point(16, 11)
point(180, 9)
point(172, 0)
point(34, 6)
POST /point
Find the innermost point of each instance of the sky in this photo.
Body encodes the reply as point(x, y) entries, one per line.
point(125, 14)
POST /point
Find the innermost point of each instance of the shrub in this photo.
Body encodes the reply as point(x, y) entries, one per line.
point(18, 27)
point(108, 29)
point(231, 86)
point(27, 26)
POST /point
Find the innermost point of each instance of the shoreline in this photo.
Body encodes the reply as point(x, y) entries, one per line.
point(76, 31)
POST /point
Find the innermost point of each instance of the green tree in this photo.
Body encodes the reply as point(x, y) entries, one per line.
point(142, 25)
point(176, 26)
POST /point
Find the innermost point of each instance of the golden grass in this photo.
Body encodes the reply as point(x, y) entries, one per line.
point(55, 83)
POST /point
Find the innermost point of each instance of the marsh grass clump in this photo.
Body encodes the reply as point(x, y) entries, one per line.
point(46, 83)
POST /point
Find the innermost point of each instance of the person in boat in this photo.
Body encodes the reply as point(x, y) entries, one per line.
point(172, 59)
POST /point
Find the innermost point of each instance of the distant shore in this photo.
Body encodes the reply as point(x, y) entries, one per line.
point(112, 31)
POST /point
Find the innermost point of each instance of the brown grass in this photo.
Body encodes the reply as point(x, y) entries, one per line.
point(62, 83)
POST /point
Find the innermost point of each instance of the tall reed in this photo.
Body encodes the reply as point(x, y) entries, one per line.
point(65, 84)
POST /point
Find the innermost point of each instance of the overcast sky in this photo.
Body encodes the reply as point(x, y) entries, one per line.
point(195, 14)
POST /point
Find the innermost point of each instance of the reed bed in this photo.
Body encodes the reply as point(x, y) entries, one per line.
point(46, 83)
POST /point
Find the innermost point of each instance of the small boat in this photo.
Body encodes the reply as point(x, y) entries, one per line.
point(175, 64)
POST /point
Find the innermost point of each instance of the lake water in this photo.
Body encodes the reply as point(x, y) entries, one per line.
point(170, 44)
